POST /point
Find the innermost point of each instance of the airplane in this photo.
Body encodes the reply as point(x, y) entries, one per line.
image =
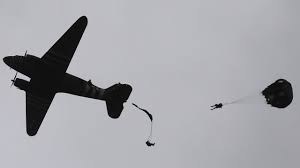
point(48, 76)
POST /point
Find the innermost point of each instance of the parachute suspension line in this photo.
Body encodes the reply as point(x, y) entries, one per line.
point(235, 101)
point(245, 99)
point(150, 135)
point(148, 143)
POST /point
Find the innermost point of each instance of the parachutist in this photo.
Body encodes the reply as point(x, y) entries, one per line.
point(220, 105)
point(148, 143)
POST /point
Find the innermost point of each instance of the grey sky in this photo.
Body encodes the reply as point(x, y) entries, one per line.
point(180, 57)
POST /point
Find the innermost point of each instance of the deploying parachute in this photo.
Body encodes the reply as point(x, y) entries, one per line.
point(279, 94)
point(148, 143)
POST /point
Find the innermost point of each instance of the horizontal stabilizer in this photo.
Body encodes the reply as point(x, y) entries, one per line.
point(114, 109)
point(115, 96)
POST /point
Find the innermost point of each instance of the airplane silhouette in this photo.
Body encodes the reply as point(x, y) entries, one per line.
point(48, 77)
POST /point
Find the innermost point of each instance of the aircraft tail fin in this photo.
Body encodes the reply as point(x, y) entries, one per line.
point(115, 96)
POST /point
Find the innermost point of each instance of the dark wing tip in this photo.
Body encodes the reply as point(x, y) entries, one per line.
point(31, 132)
point(83, 20)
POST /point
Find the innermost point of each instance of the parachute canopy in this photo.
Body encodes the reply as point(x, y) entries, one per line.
point(279, 94)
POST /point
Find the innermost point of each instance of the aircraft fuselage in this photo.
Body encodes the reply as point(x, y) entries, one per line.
point(34, 68)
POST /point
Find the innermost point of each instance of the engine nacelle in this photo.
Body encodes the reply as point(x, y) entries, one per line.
point(21, 84)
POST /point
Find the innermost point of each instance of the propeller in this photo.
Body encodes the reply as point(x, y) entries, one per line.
point(14, 80)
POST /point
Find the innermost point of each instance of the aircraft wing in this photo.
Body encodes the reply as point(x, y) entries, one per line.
point(36, 109)
point(61, 53)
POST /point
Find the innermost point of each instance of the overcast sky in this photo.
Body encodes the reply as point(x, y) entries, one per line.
point(180, 57)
